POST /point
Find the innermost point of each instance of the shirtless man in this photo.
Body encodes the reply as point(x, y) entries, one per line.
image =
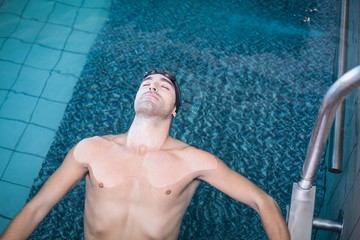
point(139, 184)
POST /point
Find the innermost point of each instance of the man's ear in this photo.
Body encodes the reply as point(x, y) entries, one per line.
point(174, 112)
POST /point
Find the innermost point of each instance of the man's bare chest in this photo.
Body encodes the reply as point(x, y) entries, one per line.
point(141, 173)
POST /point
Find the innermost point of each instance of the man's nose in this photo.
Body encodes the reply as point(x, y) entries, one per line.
point(153, 87)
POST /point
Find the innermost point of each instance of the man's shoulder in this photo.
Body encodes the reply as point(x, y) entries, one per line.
point(197, 157)
point(176, 144)
point(89, 141)
point(91, 145)
point(183, 148)
point(100, 139)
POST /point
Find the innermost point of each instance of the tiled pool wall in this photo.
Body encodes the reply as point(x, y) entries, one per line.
point(43, 48)
point(342, 190)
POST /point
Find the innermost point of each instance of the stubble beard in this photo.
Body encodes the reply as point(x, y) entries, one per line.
point(148, 109)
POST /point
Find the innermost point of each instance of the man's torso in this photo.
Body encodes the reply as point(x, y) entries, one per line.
point(135, 194)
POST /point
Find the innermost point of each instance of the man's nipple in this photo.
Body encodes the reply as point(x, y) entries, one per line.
point(168, 192)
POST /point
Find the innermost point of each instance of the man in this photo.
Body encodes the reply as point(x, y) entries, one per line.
point(139, 184)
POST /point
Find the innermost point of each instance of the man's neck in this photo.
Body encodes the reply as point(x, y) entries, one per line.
point(148, 133)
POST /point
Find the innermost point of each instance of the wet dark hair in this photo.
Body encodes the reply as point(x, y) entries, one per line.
point(172, 78)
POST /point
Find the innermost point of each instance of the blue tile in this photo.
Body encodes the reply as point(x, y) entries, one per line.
point(23, 169)
point(39, 10)
point(5, 156)
point(80, 41)
point(3, 94)
point(8, 24)
point(15, 50)
point(11, 132)
point(9, 73)
point(18, 106)
point(3, 224)
point(97, 4)
point(36, 140)
point(49, 39)
point(59, 87)
point(76, 3)
point(48, 114)
point(31, 81)
point(43, 58)
point(71, 63)
point(63, 14)
point(91, 19)
point(13, 6)
point(12, 198)
point(27, 30)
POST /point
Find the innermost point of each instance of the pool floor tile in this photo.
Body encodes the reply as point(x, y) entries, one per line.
point(80, 41)
point(35, 10)
point(15, 171)
point(48, 114)
point(11, 131)
point(11, 6)
point(89, 19)
point(9, 73)
point(12, 198)
point(43, 57)
point(59, 87)
point(3, 94)
point(8, 24)
point(97, 4)
point(76, 3)
point(27, 30)
point(63, 14)
point(31, 81)
point(49, 39)
point(15, 50)
point(78, 61)
point(5, 156)
point(18, 106)
point(36, 140)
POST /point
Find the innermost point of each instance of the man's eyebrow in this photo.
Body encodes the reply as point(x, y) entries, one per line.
point(167, 80)
point(164, 79)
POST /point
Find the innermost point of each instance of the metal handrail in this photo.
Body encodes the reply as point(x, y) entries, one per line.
point(335, 161)
point(334, 96)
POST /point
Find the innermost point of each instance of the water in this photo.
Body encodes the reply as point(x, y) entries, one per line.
point(252, 77)
point(43, 49)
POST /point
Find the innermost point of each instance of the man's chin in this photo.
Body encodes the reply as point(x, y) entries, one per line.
point(152, 113)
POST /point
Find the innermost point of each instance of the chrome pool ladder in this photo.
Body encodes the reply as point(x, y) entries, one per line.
point(301, 212)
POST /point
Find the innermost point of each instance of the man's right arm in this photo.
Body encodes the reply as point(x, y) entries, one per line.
point(64, 178)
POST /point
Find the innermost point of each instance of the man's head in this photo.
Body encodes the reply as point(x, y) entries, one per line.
point(158, 95)
point(172, 78)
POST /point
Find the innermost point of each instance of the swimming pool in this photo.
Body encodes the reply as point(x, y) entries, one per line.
point(252, 77)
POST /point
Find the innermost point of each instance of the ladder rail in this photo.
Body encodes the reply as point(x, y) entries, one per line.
point(336, 158)
point(334, 96)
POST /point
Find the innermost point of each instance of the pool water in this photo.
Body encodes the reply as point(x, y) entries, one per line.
point(252, 76)
point(43, 49)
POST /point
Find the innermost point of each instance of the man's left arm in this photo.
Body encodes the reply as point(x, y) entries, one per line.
point(238, 187)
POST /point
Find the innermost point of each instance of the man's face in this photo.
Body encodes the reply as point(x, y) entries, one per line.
point(156, 97)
